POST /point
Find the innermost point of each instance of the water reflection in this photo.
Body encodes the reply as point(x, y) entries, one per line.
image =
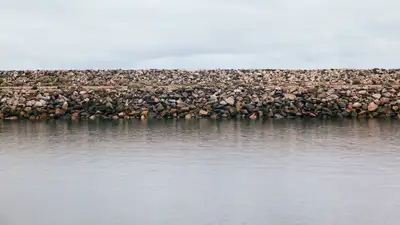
point(200, 172)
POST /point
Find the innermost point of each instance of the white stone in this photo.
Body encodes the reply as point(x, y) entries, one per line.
point(377, 96)
point(30, 103)
point(357, 105)
point(230, 100)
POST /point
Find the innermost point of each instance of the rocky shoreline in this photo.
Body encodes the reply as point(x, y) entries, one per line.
point(252, 94)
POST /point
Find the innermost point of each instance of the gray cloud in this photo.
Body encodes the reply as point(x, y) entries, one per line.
point(198, 34)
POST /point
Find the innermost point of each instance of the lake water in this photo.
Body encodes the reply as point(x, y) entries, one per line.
point(200, 172)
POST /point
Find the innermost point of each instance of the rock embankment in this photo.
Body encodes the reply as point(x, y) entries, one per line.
point(126, 94)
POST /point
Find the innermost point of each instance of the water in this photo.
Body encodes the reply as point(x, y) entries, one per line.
point(200, 172)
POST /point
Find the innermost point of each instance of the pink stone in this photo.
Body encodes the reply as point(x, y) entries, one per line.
point(372, 107)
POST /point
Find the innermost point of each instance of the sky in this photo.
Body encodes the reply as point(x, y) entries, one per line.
point(199, 34)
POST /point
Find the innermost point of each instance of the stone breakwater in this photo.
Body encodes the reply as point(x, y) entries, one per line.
point(143, 94)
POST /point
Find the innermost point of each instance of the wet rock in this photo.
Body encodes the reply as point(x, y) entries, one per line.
point(253, 116)
point(75, 116)
point(58, 112)
point(203, 113)
point(12, 118)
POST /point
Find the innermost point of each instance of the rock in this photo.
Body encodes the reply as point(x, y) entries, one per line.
point(44, 116)
point(92, 117)
point(377, 96)
point(387, 94)
point(213, 98)
point(75, 116)
point(244, 111)
point(109, 105)
point(260, 114)
point(253, 116)
point(372, 107)
point(363, 92)
point(188, 116)
point(160, 107)
point(115, 117)
point(12, 118)
point(357, 105)
point(38, 104)
point(230, 101)
point(145, 113)
point(331, 91)
point(333, 96)
point(384, 100)
point(342, 105)
point(278, 116)
point(350, 106)
point(185, 109)
point(65, 106)
point(203, 113)
point(225, 93)
point(180, 103)
point(30, 103)
point(58, 112)
point(290, 96)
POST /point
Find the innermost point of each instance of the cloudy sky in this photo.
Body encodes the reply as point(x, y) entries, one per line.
point(50, 34)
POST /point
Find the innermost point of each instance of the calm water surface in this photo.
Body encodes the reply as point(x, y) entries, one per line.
point(200, 172)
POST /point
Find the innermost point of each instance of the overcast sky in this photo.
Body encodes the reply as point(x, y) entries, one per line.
point(50, 34)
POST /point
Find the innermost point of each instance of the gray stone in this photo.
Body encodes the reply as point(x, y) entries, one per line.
point(230, 100)
point(342, 105)
point(38, 104)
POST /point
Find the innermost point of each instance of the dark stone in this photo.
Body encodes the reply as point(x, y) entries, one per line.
point(342, 105)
